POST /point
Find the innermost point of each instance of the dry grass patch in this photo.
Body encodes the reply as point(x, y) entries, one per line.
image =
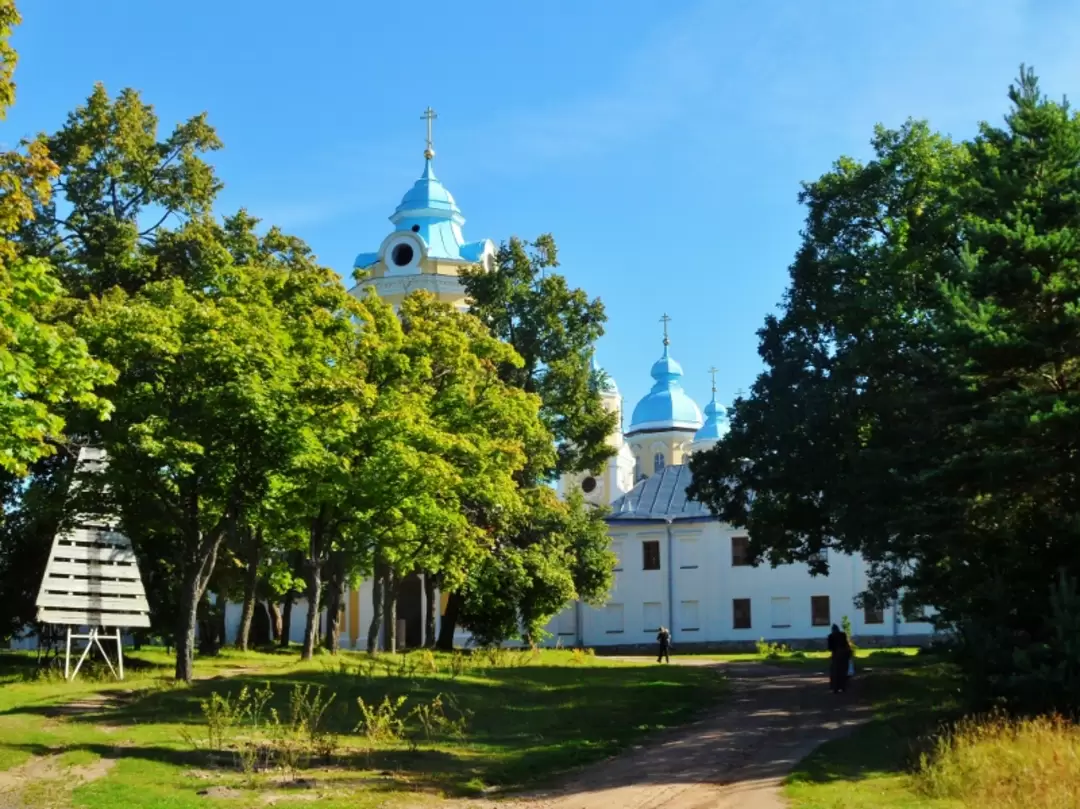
point(999, 763)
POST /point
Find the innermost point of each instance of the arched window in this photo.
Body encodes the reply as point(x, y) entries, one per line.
point(658, 462)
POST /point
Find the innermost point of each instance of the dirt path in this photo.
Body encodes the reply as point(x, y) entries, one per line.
point(735, 757)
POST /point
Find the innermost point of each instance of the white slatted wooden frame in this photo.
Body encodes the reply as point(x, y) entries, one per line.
point(92, 580)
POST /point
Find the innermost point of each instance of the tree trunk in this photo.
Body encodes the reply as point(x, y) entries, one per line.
point(449, 622)
point(275, 620)
point(286, 619)
point(311, 627)
point(251, 580)
point(429, 610)
point(318, 547)
point(378, 583)
point(191, 594)
point(335, 592)
point(185, 631)
point(390, 610)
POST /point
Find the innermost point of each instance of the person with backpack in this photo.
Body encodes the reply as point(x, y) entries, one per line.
point(663, 637)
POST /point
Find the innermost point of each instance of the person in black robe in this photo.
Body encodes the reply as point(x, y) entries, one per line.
point(663, 637)
point(839, 659)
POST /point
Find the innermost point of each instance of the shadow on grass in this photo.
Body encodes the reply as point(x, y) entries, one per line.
point(909, 703)
point(524, 723)
point(423, 770)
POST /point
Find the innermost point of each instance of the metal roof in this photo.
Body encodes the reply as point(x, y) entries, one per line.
point(660, 497)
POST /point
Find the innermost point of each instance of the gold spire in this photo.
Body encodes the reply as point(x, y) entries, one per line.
point(429, 116)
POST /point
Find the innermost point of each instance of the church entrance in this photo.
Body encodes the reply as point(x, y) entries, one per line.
point(410, 613)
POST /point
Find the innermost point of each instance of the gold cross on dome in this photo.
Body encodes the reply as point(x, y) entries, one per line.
point(665, 320)
point(429, 115)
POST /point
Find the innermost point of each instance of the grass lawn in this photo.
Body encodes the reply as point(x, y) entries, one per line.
point(528, 717)
point(865, 659)
point(871, 768)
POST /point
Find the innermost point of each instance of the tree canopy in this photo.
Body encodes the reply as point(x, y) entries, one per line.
point(921, 393)
point(44, 366)
point(261, 416)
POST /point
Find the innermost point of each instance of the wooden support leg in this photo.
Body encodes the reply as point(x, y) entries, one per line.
point(120, 653)
point(89, 642)
point(97, 641)
point(67, 656)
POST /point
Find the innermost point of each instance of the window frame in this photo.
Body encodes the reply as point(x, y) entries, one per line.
point(645, 547)
point(735, 613)
point(740, 561)
point(814, 601)
point(772, 612)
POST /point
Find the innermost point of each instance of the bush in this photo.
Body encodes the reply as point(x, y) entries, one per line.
point(997, 763)
point(772, 651)
point(1024, 671)
point(247, 730)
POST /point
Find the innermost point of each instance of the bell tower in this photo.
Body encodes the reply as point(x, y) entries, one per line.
point(426, 249)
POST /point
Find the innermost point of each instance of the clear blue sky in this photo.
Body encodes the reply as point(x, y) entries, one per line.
point(661, 142)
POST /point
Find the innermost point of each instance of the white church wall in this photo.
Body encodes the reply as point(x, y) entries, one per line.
point(696, 597)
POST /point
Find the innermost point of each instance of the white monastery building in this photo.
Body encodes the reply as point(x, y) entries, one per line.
point(678, 566)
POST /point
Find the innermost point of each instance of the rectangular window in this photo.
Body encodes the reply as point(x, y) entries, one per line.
point(740, 608)
point(651, 616)
point(650, 549)
point(819, 611)
point(688, 616)
point(781, 613)
point(613, 619)
point(617, 549)
point(740, 551)
point(873, 615)
point(567, 622)
point(688, 553)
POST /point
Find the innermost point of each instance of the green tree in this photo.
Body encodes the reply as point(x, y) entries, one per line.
point(44, 366)
point(119, 184)
point(205, 413)
point(554, 552)
point(920, 389)
point(554, 329)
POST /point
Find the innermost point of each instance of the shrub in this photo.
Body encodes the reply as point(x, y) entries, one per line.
point(772, 651)
point(1027, 670)
point(1000, 763)
point(428, 663)
point(256, 736)
point(382, 723)
point(845, 625)
point(432, 721)
point(457, 665)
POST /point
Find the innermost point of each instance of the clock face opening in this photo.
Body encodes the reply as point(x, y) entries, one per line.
point(588, 485)
point(402, 255)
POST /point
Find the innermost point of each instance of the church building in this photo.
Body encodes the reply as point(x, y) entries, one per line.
point(678, 566)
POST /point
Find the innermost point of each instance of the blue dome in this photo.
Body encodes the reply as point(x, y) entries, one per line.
point(427, 197)
point(715, 422)
point(667, 406)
